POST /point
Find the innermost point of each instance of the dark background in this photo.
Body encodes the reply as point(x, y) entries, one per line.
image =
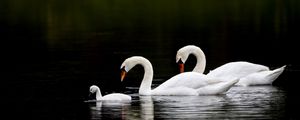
point(55, 49)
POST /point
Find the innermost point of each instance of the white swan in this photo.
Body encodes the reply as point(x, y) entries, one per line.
point(109, 97)
point(248, 73)
point(188, 83)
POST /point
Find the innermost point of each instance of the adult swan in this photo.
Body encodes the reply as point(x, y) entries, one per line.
point(188, 83)
point(248, 73)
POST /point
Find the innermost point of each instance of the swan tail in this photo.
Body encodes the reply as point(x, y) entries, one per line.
point(275, 73)
point(261, 78)
point(279, 70)
point(218, 88)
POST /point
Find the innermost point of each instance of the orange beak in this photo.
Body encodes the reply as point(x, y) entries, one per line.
point(181, 67)
point(123, 74)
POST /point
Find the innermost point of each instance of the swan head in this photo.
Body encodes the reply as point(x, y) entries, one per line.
point(127, 65)
point(93, 88)
point(182, 55)
point(123, 73)
point(184, 52)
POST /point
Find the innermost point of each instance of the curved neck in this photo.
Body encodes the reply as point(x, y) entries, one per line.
point(201, 60)
point(145, 87)
point(98, 94)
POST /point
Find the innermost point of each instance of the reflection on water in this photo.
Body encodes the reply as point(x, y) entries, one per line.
point(110, 110)
point(259, 102)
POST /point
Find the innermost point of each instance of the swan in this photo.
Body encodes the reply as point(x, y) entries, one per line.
point(175, 85)
point(109, 97)
point(248, 73)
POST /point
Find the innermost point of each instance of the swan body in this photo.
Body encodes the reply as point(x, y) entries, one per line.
point(109, 97)
point(261, 78)
point(237, 70)
point(190, 79)
point(248, 73)
point(192, 84)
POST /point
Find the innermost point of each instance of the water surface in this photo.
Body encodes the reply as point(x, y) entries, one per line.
point(258, 102)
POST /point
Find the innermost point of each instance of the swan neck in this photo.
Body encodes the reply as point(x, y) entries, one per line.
point(145, 87)
point(201, 60)
point(98, 94)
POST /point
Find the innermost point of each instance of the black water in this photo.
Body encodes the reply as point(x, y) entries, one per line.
point(250, 103)
point(53, 50)
point(261, 102)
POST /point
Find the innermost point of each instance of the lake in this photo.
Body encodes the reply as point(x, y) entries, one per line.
point(255, 102)
point(258, 102)
point(54, 50)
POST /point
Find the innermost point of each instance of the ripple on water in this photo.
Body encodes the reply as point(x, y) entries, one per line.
point(258, 102)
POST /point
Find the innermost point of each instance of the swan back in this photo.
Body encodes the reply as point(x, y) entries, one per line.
point(189, 79)
point(239, 69)
point(117, 97)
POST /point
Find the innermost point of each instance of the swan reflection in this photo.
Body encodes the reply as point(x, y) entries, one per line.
point(186, 106)
point(240, 102)
point(109, 109)
point(140, 108)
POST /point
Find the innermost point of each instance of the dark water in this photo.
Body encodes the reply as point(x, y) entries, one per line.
point(53, 50)
point(259, 102)
point(256, 102)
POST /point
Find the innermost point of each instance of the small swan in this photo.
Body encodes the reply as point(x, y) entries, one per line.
point(188, 83)
point(248, 73)
point(109, 97)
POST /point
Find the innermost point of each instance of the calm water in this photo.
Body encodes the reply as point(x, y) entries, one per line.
point(255, 102)
point(54, 50)
point(259, 102)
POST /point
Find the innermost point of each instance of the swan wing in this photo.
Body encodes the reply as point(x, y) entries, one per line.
point(261, 78)
point(218, 88)
point(188, 79)
point(117, 97)
point(234, 70)
point(180, 90)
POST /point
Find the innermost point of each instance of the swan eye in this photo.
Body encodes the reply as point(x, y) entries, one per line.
point(123, 68)
point(92, 90)
point(180, 61)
